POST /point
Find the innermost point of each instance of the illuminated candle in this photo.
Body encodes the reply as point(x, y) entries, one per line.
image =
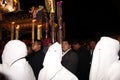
point(52, 6)
point(39, 32)
point(12, 30)
point(17, 31)
point(33, 30)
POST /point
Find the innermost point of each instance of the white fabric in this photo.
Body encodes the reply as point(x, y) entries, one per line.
point(53, 70)
point(13, 62)
point(1, 68)
point(105, 55)
point(113, 73)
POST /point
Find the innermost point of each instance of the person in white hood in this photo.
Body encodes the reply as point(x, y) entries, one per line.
point(53, 69)
point(105, 62)
point(14, 64)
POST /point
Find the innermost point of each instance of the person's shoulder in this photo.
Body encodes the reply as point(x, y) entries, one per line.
point(73, 53)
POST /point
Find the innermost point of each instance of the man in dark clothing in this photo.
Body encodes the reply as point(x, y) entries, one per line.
point(70, 58)
point(36, 58)
point(84, 60)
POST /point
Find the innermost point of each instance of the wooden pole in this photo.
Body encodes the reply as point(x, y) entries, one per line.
point(52, 19)
point(52, 23)
point(46, 26)
point(59, 17)
point(64, 33)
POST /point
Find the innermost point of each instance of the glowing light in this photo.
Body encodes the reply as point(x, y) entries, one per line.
point(7, 5)
point(10, 8)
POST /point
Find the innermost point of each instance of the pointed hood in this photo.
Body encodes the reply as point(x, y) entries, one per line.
point(104, 55)
point(14, 64)
point(52, 62)
point(13, 50)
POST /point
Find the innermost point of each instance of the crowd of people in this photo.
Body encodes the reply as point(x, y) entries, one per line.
point(70, 60)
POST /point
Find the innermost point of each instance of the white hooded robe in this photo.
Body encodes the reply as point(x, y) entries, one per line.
point(14, 64)
point(105, 63)
point(53, 70)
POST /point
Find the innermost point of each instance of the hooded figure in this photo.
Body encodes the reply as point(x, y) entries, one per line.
point(14, 64)
point(105, 63)
point(53, 69)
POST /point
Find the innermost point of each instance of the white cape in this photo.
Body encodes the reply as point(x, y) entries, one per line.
point(53, 70)
point(14, 64)
point(105, 63)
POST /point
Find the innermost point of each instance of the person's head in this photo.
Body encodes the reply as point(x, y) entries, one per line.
point(92, 44)
point(14, 50)
point(46, 41)
point(53, 55)
point(76, 45)
point(66, 45)
point(37, 45)
point(104, 55)
point(52, 62)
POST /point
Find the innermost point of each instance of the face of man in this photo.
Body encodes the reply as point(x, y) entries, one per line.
point(92, 44)
point(76, 46)
point(65, 46)
point(36, 46)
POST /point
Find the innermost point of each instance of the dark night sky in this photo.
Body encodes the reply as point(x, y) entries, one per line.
point(87, 18)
